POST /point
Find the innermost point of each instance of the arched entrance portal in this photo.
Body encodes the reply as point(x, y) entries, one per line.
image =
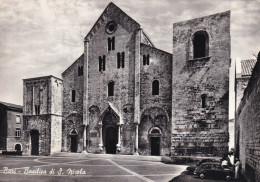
point(155, 135)
point(110, 130)
point(111, 140)
point(73, 141)
point(34, 142)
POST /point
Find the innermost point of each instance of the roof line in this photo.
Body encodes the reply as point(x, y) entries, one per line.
point(148, 38)
point(111, 3)
point(156, 48)
point(72, 64)
point(35, 78)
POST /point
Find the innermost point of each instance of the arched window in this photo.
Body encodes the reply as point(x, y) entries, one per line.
point(111, 89)
point(144, 60)
point(113, 43)
point(155, 87)
point(123, 60)
point(104, 63)
point(73, 95)
point(203, 100)
point(200, 44)
point(118, 60)
point(148, 59)
point(100, 63)
point(109, 44)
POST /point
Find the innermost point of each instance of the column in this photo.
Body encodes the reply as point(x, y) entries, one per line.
point(118, 146)
point(100, 137)
point(136, 140)
point(85, 139)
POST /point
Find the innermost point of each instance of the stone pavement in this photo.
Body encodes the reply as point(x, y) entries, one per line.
point(87, 167)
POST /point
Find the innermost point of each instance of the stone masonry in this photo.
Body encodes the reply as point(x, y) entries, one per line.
point(248, 127)
point(199, 130)
point(42, 115)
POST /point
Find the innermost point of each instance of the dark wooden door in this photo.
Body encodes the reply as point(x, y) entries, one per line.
point(35, 142)
point(74, 143)
point(155, 145)
point(111, 140)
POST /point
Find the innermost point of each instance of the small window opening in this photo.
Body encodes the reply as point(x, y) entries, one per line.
point(109, 44)
point(73, 95)
point(111, 89)
point(17, 132)
point(18, 119)
point(118, 60)
point(102, 63)
point(80, 70)
point(146, 59)
point(123, 60)
point(203, 100)
point(155, 87)
point(37, 109)
point(113, 43)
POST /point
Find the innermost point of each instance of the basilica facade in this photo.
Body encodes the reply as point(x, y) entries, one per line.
point(125, 96)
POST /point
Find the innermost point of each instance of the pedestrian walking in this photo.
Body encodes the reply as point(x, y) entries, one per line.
point(237, 168)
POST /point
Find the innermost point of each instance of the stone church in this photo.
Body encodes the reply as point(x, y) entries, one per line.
point(125, 96)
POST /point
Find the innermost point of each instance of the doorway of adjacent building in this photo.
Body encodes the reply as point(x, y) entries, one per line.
point(34, 142)
point(111, 140)
point(74, 143)
point(155, 145)
point(17, 147)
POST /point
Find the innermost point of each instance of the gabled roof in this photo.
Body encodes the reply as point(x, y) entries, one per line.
point(115, 9)
point(11, 105)
point(80, 57)
point(247, 67)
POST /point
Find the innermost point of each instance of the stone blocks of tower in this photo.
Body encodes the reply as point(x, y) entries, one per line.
point(42, 115)
point(200, 79)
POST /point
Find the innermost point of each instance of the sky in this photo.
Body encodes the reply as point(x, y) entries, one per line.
point(44, 37)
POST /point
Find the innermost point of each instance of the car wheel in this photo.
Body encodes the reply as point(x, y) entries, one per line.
point(228, 177)
point(202, 176)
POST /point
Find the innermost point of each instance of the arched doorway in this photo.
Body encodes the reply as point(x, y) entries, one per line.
point(34, 142)
point(111, 140)
point(73, 141)
point(17, 147)
point(110, 130)
point(155, 135)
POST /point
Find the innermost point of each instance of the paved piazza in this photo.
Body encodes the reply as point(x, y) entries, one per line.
point(85, 168)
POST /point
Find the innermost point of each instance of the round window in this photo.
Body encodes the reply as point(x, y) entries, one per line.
point(111, 27)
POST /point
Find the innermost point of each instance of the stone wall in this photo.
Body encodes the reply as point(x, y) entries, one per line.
point(42, 124)
point(155, 109)
point(201, 130)
point(248, 127)
point(72, 80)
point(56, 133)
point(11, 139)
point(241, 84)
point(47, 93)
point(97, 99)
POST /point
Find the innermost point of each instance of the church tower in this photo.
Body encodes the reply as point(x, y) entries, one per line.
point(201, 58)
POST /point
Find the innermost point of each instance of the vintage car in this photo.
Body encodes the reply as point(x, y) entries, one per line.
point(205, 160)
point(214, 170)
